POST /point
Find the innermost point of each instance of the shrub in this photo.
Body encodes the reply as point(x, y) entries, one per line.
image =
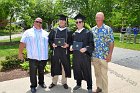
point(11, 62)
point(48, 68)
point(25, 65)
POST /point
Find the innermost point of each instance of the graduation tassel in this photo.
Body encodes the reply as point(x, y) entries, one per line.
point(53, 52)
point(66, 50)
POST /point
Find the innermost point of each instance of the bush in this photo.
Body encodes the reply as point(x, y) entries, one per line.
point(48, 68)
point(25, 65)
point(15, 28)
point(11, 62)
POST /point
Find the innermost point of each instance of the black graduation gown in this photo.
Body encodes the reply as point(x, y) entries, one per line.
point(82, 61)
point(60, 55)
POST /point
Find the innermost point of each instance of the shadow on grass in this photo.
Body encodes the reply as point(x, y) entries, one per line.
point(4, 33)
point(9, 43)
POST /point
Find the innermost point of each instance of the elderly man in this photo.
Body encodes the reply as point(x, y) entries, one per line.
point(104, 44)
point(36, 42)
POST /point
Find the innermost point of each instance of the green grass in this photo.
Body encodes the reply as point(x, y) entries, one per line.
point(13, 40)
point(7, 49)
point(126, 45)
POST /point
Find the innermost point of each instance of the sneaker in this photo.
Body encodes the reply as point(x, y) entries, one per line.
point(65, 86)
point(76, 87)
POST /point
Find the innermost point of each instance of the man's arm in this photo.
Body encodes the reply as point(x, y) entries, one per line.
point(111, 47)
point(21, 48)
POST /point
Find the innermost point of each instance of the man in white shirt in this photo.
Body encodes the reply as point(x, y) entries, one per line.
point(35, 40)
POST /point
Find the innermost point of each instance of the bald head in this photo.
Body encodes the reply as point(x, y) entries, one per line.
point(99, 19)
point(38, 19)
point(100, 15)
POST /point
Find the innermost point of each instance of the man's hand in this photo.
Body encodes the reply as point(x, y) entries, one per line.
point(83, 50)
point(20, 56)
point(108, 58)
point(54, 45)
point(65, 45)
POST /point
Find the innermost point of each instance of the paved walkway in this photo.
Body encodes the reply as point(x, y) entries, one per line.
point(124, 77)
point(13, 36)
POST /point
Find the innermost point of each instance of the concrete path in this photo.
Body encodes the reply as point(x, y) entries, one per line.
point(124, 77)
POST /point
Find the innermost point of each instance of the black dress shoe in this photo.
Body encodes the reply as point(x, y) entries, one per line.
point(52, 85)
point(65, 86)
point(43, 85)
point(33, 90)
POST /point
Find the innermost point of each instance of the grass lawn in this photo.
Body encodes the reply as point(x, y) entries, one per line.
point(125, 44)
point(13, 40)
point(7, 50)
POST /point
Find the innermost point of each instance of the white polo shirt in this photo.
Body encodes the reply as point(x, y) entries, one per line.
point(36, 43)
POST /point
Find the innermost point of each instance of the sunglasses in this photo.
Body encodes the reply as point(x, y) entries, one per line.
point(38, 22)
point(79, 22)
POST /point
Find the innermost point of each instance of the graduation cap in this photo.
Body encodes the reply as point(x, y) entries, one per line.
point(62, 17)
point(80, 16)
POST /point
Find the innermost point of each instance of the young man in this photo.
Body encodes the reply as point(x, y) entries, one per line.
point(104, 44)
point(60, 58)
point(36, 42)
point(81, 57)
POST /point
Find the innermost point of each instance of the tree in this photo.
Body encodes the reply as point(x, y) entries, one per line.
point(46, 9)
point(89, 8)
point(126, 12)
point(10, 9)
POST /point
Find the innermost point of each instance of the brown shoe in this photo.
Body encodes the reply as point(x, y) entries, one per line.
point(98, 90)
point(52, 85)
point(65, 86)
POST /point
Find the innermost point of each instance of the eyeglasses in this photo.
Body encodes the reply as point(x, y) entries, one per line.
point(79, 22)
point(38, 22)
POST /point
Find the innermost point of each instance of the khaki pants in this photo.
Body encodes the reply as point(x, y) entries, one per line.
point(101, 69)
point(63, 80)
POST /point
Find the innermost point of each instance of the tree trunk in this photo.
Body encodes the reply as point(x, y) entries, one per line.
point(10, 30)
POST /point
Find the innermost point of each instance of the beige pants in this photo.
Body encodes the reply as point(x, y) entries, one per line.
point(63, 80)
point(101, 69)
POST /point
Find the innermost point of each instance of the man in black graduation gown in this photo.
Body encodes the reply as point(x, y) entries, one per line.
point(82, 57)
point(60, 57)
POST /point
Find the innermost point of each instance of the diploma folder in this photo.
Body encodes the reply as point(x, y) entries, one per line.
point(77, 45)
point(59, 41)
